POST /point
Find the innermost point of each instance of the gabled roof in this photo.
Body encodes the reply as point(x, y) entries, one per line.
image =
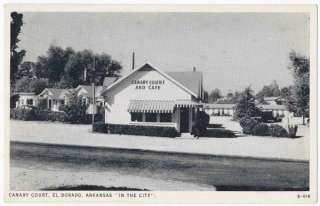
point(189, 87)
point(271, 98)
point(272, 107)
point(54, 93)
point(25, 93)
point(191, 80)
point(109, 80)
point(89, 89)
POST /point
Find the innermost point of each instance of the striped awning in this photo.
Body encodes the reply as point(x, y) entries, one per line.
point(187, 104)
point(151, 106)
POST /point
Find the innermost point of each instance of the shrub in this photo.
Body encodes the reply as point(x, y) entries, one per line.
point(201, 123)
point(253, 127)
point(57, 116)
point(140, 130)
point(25, 114)
point(278, 131)
point(246, 106)
point(248, 124)
point(76, 113)
point(13, 100)
point(261, 129)
point(41, 114)
point(100, 127)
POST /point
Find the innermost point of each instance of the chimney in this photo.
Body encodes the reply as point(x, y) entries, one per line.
point(194, 69)
point(133, 60)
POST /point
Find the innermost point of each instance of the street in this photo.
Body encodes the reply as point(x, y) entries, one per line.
point(42, 161)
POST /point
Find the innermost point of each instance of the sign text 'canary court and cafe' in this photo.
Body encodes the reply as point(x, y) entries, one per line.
point(148, 84)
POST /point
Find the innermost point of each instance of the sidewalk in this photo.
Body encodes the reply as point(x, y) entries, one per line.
point(80, 135)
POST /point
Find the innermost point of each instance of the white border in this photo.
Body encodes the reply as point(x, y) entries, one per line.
point(226, 196)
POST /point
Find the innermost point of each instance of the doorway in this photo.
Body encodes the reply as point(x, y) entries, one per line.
point(49, 104)
point(184, 120)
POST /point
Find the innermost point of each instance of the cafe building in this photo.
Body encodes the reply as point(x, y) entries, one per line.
point(149, 96)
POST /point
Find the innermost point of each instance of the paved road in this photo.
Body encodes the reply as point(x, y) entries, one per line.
point(225, 173)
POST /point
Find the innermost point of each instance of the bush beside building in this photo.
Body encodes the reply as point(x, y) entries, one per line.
point(159, 131)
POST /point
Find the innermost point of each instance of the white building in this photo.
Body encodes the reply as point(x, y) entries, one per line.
point(277, 110)
point(26, 99)
point(229, 109)
point(54, 98)
point(273, 101)
point(220, 109)
point(85, 92)
point(149, 96)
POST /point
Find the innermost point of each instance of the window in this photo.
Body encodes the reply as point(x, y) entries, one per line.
point(151, 117)
point(62, 102)
point(29, 101)
point(165, 117)
point(136, 117)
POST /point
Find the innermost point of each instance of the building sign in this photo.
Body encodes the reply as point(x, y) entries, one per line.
point(147, 84)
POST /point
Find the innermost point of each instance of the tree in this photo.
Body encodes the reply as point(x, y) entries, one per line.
point(301, 89)
point(231, 98)
point(214, 95)
point(56, 60)
point(66, 68)
point(246, 107)
point(75, 109)
point(272, 90)
point(26, 69)
point(38, 85)
point(26, 84)
point(16, 55)
point(23, 85)
point(286, 93)
point(205, 96)
point(230, 95)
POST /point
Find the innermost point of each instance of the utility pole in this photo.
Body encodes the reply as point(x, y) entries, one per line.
point(93, 89)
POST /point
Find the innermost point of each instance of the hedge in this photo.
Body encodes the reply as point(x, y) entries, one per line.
point(36, 114)
point(253, 127)
point(159, 131)
point(248, 124)
point(278, 131)
point(261, 129)
point(100, 127)
point(25, 114)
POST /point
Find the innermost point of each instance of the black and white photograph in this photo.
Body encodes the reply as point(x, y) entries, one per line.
point(130, 103)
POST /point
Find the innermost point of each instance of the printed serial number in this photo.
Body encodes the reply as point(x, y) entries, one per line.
point(300, 196)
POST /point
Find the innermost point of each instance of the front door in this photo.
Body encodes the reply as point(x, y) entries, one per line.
point(184, 120)
point(49, 104)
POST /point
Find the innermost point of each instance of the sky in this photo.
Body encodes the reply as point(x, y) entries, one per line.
point(233, 50)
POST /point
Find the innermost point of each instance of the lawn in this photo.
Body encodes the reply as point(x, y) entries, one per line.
point(81, 135)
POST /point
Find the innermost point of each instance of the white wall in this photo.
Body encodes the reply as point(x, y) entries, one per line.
point(23, 100)
point(118, 98)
